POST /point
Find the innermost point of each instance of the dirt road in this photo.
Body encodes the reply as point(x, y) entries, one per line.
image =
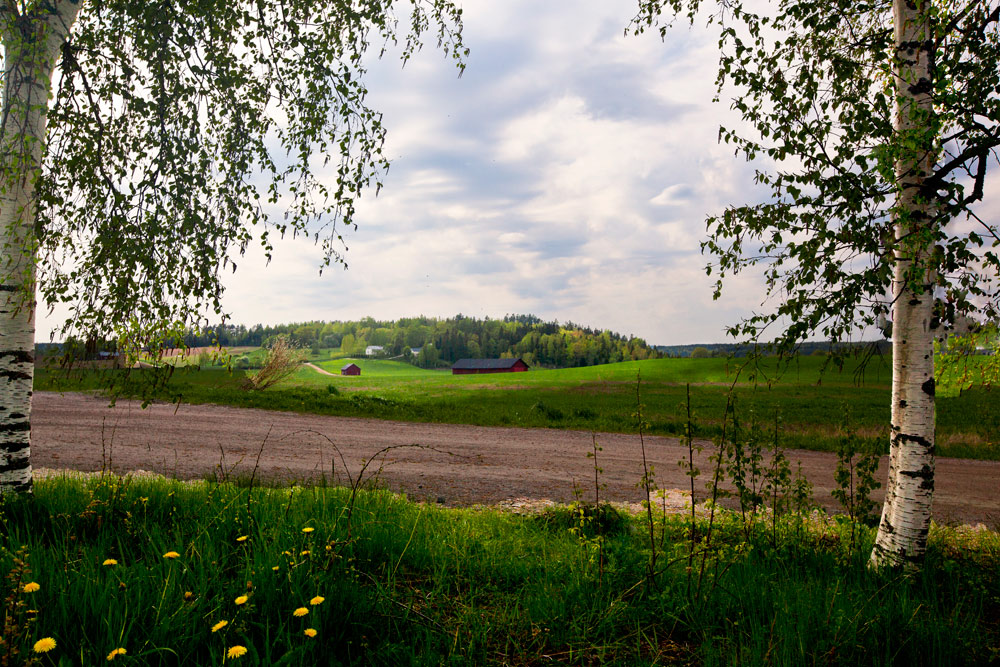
point(453, 464)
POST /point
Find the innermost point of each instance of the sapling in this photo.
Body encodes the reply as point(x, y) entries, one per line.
point(777, 481)
point(597, 504)
point(855, 477)
point(648, 478)
point(692, 473)
point(744, 467)
point(718, 459)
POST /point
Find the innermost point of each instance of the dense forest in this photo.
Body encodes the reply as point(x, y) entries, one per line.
point(431, 342)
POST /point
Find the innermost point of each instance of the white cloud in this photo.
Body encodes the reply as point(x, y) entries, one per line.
point(567, 173)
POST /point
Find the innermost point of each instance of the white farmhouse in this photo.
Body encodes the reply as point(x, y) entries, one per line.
point(372, 350)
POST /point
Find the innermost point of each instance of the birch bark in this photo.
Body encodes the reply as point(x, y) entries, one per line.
point(32, 42)
point(902, 533)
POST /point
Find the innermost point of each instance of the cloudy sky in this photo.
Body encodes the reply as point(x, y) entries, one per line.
point(567, 173)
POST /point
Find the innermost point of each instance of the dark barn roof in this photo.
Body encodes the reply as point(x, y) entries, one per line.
point(344, 368)
point(491, 364)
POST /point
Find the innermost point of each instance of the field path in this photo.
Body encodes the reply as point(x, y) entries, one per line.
point(454, 464)
point(321, 371)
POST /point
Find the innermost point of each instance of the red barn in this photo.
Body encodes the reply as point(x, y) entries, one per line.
point(351, 369)
point(470, 366)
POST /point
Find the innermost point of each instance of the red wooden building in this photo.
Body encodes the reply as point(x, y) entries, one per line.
point(351, 369)
point(470, 366)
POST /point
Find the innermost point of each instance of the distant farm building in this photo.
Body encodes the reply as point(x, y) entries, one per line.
point(350, 369)
point(470, 366)
point(372, 350)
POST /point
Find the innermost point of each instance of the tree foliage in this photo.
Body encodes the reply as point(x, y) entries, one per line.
point(813, 85)
point(874, 124)
point(179, 131)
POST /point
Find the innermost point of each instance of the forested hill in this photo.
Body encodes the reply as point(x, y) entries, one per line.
point(443, 341)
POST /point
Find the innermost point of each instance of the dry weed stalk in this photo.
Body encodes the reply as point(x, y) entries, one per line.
point(282, 360)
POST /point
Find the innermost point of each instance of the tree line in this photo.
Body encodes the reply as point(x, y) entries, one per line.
point(431, 342)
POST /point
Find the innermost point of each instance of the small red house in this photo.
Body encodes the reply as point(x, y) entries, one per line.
point(469, 366)
point(351, 369)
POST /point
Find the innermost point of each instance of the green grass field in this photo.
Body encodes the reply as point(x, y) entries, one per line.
point(815, 406)
point(156, 572)
point(374, 367)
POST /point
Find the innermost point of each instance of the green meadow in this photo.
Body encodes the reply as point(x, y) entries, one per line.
point(148, 571)
point(814, 401)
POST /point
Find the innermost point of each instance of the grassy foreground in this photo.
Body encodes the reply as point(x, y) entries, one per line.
point(815, 406)
point(208, 574)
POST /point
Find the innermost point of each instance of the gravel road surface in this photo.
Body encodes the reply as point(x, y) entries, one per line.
point(453, 464)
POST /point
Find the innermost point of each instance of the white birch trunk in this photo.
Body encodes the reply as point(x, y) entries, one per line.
point(32, 45)
point(902, 533)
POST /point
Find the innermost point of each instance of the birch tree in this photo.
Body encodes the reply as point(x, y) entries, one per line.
point(874, 125)
point(144, 143)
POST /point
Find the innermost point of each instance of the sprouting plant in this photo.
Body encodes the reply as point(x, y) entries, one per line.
point(588, 520)
point(692, 472)
point(777, 481)
point(857, 467)
point(745, 468)
point(718, 459)
point(597, 504)
point(801, 498)
point(648, 479)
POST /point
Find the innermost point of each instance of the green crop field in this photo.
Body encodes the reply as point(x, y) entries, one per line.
point(814, 402)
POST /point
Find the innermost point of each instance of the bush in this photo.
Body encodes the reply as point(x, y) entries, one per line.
point(552, 414)
point(587, 518)
point(282, 360)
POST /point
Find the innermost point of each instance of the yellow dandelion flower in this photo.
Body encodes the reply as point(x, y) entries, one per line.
point(109, 561)
point(305, 553)
point(117, 652)
point(317, 600)
point(44, 645)
point(241, 538)
point(171, 554)
point(30, 587)
point(309, 632)
point(218, 626)
point(308, 529)
point(241, 599)
point(275, 568)
point(236, 651)
point(286, 553)
point(188, 596)
point(301, 611)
